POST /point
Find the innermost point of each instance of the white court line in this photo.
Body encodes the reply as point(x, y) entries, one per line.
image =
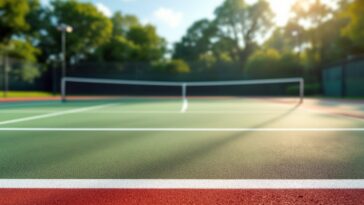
point(178, 184)
point(183, 129)
point(53, 114)
point(262, 112)
point(152, 112)
point(189, 112)
point(25, 111)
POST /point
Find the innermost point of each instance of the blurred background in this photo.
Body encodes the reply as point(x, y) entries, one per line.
point(42, 41)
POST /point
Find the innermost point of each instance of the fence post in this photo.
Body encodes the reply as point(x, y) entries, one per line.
point(302, 90)
point(344, 77)
point(5, 76)
point(63, 89)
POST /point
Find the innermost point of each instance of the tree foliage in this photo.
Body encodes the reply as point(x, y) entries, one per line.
point(14, 43)
point(231, 36)
point(151, 46)
point(123, 23)
point(91, 28)
point(197, 41)
point(172, 67)
point(269, 63)
point(310, 16)
point(28, 30)
point(13, 18)
point(131, 41)
point(354, 30)
point(244, 23)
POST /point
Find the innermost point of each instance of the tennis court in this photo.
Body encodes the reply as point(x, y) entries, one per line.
point(160, 138)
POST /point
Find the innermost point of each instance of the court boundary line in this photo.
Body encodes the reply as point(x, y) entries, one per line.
point(180, 184)
point(18, 129)
point(156, 112)
point(54, 114)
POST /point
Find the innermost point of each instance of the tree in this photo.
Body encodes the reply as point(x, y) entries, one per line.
point(123, 23)
point(223, 49)
point(15, 28)
point(279, 41)
point(131, 42)
point(118, 49)
point(204, 48)
point(151, 46)
point(355, 28)
point(91, 29)
point(262, 64)
point(173, 67)
point(244, 23)
point(196, 42)
point(269, 63)
point(229, 39)
point(23, 50)
point(13, 18)
point(23, 57)
point(309, 17)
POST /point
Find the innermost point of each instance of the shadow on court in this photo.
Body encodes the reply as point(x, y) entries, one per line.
point(155, 168)
point(35, 153)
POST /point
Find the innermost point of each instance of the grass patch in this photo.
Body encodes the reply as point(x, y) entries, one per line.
point(26, 94)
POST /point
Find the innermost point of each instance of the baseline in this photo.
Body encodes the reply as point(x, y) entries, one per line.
point(178, 184)
point(16, 129)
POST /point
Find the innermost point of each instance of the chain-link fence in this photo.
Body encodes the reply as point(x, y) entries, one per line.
point(345, 79)
point(21, 75)
point(197, 71)
point(151, 71)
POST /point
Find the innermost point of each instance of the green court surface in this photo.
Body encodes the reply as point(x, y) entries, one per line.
point(153, 139)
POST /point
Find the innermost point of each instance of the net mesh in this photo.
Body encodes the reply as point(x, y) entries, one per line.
point(88, 89)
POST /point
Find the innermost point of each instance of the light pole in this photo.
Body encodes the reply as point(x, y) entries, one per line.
point(64, 28)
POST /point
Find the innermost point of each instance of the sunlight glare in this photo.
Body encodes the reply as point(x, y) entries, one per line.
point(282, 10)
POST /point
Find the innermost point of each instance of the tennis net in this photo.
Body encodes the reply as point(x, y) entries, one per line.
point(90, 88)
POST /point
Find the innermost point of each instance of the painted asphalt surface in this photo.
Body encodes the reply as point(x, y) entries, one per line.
point(146, 197)
point(181, 155)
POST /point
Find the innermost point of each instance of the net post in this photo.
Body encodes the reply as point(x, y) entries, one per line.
point(63, 89)
point(184, 91)
point(302, 90)
point(184, 98)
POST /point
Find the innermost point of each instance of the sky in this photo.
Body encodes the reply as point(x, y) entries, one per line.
point(173, 17)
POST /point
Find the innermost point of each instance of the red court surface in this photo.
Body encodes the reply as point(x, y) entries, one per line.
point(143, 196)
